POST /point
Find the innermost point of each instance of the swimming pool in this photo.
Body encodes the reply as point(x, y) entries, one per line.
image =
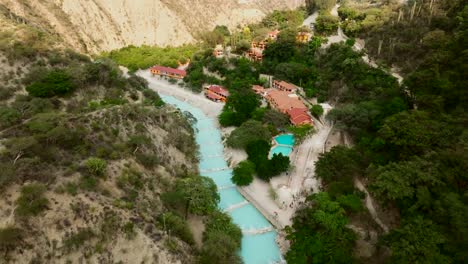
point(285, 150)
point(285, 143)
point(258, 246)
point(285, 139)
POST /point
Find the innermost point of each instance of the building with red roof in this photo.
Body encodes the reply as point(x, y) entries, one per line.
point(258, 89)
point(216, 93)
point(284, 86)
point(168, 72)
point(273, 35)
point(283, 100)
point(299, 116)
point(290, 104)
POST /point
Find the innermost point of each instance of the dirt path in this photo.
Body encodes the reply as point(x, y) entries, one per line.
point(162, 86)
point(370, 204)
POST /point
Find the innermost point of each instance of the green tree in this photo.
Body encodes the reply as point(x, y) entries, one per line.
point(326, 23)
point(249, 131)
point(9, 117)
point(243, 173)
point(31, 201)
point(278, 164)
point(317, 110)
point(319, 5)
point(412, 133)
point(55, 82)
point(220, 248)
point(417, 241)
point(221, 240)
point(339, 164)
point(319, 233)
point(197, 194)
point(239, 108)
point(275, 118)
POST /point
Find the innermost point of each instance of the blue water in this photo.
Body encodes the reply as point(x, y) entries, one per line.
point(281, 149)
point(285, 139)
point(285, 145)
point(256, 248)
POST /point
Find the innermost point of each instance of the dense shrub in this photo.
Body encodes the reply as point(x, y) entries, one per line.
point(177, 226)
point(77, 240)
point(326, 23)
point(316, 110)
point(55, 82)
point(8, 117)
point(249, 131)
point(221, 240)
point(96, 166)
point(10, 238)
point(243, 173)
point(31, 201)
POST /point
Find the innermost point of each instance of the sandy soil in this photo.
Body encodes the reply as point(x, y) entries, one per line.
point(210, 108)
point(197, 226)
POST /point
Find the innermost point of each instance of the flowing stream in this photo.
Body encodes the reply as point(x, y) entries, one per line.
point(259, 237)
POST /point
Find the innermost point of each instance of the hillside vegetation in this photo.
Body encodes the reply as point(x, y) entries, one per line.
point(94, 167)
point(409, 147)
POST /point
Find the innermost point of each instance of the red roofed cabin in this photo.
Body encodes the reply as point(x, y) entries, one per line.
point(299, 116)
point(273, 35)
point(168, 72)
point(216, 93)
point(284, 86)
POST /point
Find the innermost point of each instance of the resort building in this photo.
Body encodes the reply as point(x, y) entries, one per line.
point(255, 54)
point(284, 101)
point(218, 51)
point(284, 86)
point(303, 37)
point(168, 72)
point(290, 104)
point(299, 116)
point(273, 35)
point(216, 93)
point(258, 89)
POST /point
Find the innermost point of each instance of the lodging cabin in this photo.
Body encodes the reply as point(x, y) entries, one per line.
point(303, 37)
point(290, 104)
point(258, 89)
point(218, 51)
point(284, 86)
point(168, 72)
point(216, 93)
point(273, 35)
point(299, 116)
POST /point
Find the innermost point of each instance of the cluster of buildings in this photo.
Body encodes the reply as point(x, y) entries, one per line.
point(282, 97)
point(255, 53)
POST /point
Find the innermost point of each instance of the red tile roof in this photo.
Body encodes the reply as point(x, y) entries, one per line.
point(258, 89)
point(284, 100)
point(168, 70)
point(219, 90)
point(213, 96)
point(299, 116)
point(286, 85)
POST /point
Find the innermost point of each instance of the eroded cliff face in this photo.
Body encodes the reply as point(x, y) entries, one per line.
point(101, 25)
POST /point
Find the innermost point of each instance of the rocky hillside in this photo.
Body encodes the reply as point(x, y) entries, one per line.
point(102, 25)
point(85, 155)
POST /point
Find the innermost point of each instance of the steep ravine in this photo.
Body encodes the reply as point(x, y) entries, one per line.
point(102, 25)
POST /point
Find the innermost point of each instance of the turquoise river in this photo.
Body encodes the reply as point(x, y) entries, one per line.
point(258, 242)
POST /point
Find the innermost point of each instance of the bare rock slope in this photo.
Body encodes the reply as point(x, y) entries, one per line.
point(102, 25)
